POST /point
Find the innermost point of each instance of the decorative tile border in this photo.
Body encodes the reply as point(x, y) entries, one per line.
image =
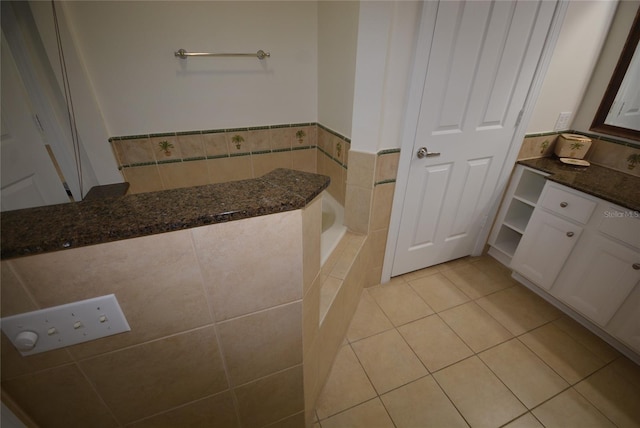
point(147, 147)
point(586, 134)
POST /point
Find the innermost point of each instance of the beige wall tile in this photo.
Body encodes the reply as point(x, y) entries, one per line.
point(191, 146)
point(262, 343)
point(339, 149)
point(312, 382)
point(216, 410)
point(267, 162)
point(143, 179)
point(14, 364)
point(273, 278)
point(337, 188)
point(422, 404)
point(281, 138)
point(361, 169)
point(613, 156)
point(357, 209)
point(311, 230)
point(271, 398)
point(382, 203)
point(46, 397)
point(14, 298)
point(378, 246)
point(184, 174)
point(238, 147)
point(161, 155)
point(537, 147)
point(143, 273)
point(387, 166)
point(478, 394)
point(311, 314)
point(305, 160)
point(230, 169)
point(134, 151)
point(324, 140)
point(259, 140)
point(146, 379)
point(301, 140)
point(434, 342)
point(346, 386)
point(215, 144)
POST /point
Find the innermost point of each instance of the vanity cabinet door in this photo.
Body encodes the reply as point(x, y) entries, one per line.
point(544, 248)
point(625, 324)
point(598, 277)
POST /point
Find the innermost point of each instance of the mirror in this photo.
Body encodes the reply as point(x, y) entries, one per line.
point(619, 112)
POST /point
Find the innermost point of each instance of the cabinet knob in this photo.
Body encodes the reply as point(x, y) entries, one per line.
point(564, 204)
point(570, 234)
point(636, 266)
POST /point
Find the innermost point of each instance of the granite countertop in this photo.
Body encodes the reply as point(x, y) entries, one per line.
point(96, 221)
point(608, 184)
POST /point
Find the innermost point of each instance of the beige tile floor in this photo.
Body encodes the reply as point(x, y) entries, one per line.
point(462, 344)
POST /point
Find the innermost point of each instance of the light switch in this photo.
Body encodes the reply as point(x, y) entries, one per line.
point(65, 325)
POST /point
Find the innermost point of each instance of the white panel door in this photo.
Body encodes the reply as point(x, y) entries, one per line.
point(481, 64)
point(27, 177)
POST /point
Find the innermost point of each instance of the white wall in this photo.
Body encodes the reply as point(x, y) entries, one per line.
point(128, 49)
point(583, 33)
point(387, 34)
point(337, 39)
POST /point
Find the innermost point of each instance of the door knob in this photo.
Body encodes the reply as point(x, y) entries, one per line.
point(563, 204)
point(570, 234)
point(636, 266)
point(424, 153)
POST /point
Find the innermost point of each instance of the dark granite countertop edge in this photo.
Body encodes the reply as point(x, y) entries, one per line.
point(91, 222)
point(604, 183)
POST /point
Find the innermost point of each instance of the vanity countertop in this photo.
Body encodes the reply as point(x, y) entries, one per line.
point(96, 221)
point(608, 184)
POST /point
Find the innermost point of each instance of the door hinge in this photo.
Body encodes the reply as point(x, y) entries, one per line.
point(36, 119)
point(519, 117)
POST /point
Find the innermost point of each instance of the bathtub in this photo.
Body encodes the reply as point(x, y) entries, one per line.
point(332, 226)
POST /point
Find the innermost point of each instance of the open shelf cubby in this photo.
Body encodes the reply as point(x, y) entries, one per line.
point(529, 187)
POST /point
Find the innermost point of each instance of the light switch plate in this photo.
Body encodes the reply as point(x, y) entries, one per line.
point(65, 325)
point(562, 124)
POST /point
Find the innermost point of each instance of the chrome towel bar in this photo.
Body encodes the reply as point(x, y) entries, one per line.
point(183, 54)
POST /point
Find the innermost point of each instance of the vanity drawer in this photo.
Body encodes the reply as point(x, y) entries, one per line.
point(567, 204)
